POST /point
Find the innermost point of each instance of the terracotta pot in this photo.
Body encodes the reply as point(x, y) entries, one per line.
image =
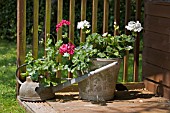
point(101, 86)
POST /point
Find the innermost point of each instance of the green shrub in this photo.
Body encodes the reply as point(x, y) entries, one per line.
point(8, 14)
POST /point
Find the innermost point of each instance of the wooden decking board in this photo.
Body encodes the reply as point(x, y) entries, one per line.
point(139, 101)
point(40, 107)
point(37, 107)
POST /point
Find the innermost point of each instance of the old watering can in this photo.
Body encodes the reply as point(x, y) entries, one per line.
point(34, 91)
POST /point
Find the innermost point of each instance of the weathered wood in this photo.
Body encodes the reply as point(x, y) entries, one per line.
point(157, 9)
point(126, 57)
point(71, 27)
point(156, 73)
point(117, 16)
point(156, 52)
point(25, 106)
point(133, 101)
point(156, 79)
point(106, 16)
point(21, 36)
point(59, 18)
point(158, 89)
point(59, 33)
point(83, 17)
point(127, 14)
point(47, 21)
point(35, 29)
point(162, 24)
point(125, 66)
point(157, 57)
point(94, 16)
point(137, 43)
point(72, 20)
point(156, 41)
point(38, 107)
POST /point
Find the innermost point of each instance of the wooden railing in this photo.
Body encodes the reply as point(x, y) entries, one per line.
point(21, 27)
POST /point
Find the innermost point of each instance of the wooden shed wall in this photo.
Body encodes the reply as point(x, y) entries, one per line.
point(156, 53)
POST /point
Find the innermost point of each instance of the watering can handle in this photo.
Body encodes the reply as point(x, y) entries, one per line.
point(18, 67)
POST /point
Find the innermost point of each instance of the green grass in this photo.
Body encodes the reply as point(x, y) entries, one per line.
point(8, 103)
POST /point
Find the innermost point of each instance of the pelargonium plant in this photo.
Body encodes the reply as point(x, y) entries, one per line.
point(95, 46)
point(103, 46)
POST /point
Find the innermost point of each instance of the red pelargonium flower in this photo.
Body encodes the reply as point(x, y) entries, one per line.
point(63, 49)
point(71, 48)
point(67, 48)
point(63, 22)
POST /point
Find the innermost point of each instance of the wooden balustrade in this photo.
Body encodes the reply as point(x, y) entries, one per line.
point(21, 27)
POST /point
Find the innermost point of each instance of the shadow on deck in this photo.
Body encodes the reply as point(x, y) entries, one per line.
point(132, 101)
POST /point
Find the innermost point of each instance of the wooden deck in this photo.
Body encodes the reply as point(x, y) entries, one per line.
point(132, 101)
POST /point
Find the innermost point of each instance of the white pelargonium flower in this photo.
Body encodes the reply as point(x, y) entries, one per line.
point(83, 24)
point(104, 34)
point(134, 26)
point(80, 25)
point(129, 48)
point(138, 27)
point(130, 26)
point(86, 24)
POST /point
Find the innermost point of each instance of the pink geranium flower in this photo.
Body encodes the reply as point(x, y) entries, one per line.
point(63, 49)
point(67, 48)
point(71, 48)
point(63, 22)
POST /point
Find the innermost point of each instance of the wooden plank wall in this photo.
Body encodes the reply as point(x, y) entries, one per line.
point(156, 53)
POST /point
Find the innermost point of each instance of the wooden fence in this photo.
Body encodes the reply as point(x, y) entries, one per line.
point(21, 26)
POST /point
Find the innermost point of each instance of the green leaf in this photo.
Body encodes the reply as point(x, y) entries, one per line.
point(102, 55)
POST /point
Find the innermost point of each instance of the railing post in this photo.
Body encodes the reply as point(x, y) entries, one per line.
point(59, 33)
point(126, 57)
point(137, 43)
point(117, 16)
point(21, 36)
point(106, 16)
point(94, 16)
point(47, 21)
point(83, 17)
point(71, 27)
point(35, 29)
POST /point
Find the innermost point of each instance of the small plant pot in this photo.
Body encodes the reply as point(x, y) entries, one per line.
point(101, 86)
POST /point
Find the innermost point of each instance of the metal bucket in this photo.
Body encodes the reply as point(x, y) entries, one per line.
point(101, 86)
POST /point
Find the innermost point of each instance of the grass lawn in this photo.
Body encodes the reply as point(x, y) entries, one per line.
point(8, 103)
